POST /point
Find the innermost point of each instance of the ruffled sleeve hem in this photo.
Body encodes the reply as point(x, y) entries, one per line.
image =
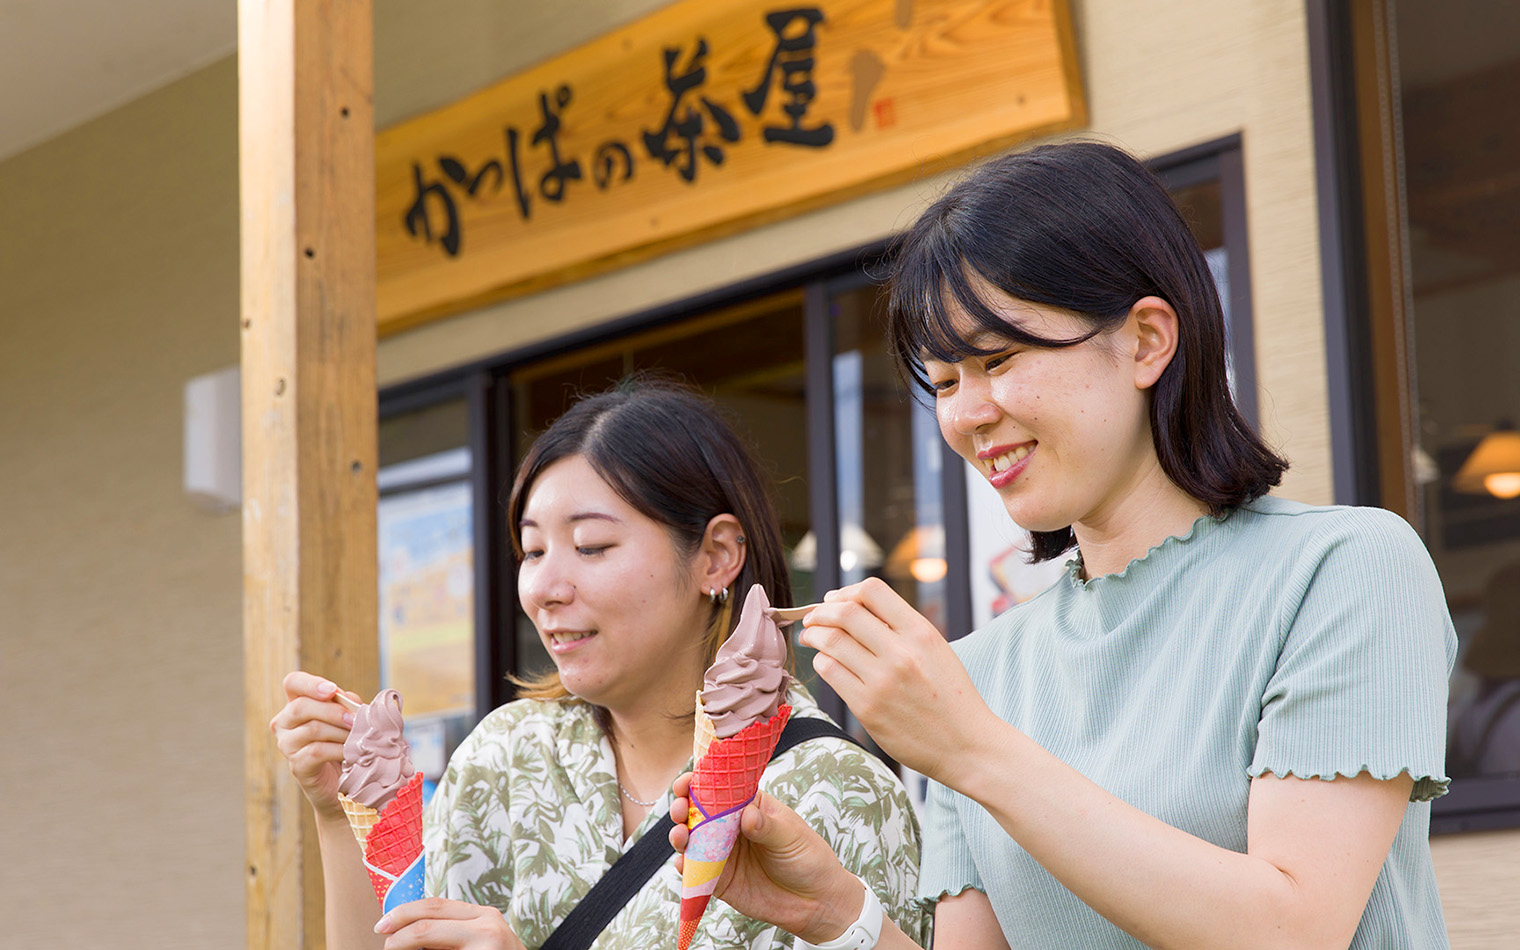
point(1427, 785)
point(926, 902)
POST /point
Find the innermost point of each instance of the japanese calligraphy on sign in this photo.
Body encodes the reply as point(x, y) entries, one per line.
point(703, 117)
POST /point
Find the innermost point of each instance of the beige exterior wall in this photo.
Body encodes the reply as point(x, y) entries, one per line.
point(118, 281)
point(120, 603)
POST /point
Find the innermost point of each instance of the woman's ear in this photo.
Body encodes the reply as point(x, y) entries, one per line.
point(1154, 324)
point(722, 554)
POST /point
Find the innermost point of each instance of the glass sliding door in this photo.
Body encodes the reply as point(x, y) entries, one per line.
point(426, 576)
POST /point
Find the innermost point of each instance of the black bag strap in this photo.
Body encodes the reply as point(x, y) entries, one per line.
point(638, 864)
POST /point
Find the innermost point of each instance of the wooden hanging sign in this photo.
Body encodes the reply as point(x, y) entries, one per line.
point(701, 119)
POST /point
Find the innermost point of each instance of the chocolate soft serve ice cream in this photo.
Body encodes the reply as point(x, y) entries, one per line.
point(381, 795)
point(747, 681)
point(740, 714)
point(377, 761)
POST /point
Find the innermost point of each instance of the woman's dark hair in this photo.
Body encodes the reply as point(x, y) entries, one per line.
point(1086, 228)
point(666, 450)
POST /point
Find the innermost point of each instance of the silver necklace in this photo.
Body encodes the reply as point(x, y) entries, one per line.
point(636, 801)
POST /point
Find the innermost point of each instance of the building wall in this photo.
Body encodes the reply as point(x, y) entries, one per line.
point(118, 281)
point(120, 603)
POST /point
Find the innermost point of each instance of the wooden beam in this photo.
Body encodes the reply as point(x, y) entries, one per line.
point(309, 409)
point(1382, 208)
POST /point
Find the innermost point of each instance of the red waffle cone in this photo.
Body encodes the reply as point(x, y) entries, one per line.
point(396, 839)
point(726, 778)
point(729, 773)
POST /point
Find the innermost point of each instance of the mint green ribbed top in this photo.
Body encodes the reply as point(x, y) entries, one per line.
point(1280, 638)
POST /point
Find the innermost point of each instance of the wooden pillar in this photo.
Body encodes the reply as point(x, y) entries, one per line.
point(309, 410)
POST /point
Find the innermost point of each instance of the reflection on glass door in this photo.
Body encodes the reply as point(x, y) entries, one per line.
point(888, 463)
point(1458, 75)
point(426, 577)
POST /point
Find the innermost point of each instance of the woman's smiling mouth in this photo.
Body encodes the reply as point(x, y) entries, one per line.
point(1004, 463)
point(562, 640)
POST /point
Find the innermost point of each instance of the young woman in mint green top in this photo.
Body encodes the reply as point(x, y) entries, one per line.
point(1223, 726)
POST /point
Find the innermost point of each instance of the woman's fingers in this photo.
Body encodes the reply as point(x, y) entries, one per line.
point(310, 731)
point(778, 829)
point(437, 924)
point(680, 806)
point(877, 596)
point(302, 683)
point(312, 720)
point(854, 620)
point(841, 679)
point(429, 908)
point(895, 670)
point(843, 644)
point(680, 835)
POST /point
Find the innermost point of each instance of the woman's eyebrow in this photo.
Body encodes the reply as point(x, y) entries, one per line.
point(596, 515)
point(577, 516)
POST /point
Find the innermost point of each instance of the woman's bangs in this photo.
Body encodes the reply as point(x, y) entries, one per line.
point(930, 290)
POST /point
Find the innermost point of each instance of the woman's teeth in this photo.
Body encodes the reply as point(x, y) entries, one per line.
point(560, 639)
point(1001, 463)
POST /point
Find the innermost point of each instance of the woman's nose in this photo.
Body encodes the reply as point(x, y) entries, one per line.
point(544, 583)
point(972, 407)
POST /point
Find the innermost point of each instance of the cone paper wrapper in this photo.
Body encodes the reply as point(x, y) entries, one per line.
point(726, 778)
point(392, 844)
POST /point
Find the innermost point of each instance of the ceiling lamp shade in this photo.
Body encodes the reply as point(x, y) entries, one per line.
point(1494, 466)
point(921, 553)
point(857, 551)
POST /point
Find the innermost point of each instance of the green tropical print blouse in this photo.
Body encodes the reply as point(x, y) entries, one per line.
point(526, 819)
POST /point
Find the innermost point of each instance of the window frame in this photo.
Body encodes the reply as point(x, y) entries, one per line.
point(1223, 160)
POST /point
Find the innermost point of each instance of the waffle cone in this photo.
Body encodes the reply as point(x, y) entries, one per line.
point(393, 839)
point(726, 778)
point(361, 818)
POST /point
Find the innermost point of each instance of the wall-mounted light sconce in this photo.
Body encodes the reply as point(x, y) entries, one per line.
point(214, 441)
point(1494, 466)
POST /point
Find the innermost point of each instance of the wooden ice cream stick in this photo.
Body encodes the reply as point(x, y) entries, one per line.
point(786, 615)
point(349, 703)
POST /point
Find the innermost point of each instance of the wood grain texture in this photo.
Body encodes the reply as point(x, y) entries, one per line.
point(466, 215)
point(309, 408)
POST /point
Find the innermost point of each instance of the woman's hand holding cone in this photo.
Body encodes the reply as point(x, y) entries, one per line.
point(309, 732)
point(898, 675)
point(438, 924)
point(781, 871)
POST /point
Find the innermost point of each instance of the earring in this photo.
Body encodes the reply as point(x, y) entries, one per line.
point(741, 539)
point(717, 596)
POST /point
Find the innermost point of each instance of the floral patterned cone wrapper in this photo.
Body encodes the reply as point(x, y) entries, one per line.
point(726, 779)
point(392, 843)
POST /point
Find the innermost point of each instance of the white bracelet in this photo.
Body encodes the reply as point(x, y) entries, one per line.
point(863, 934)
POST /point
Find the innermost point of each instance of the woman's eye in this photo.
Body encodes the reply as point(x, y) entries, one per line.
point(591, 550)
point(943, 385)
point(998, 359)
point(532, 555)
